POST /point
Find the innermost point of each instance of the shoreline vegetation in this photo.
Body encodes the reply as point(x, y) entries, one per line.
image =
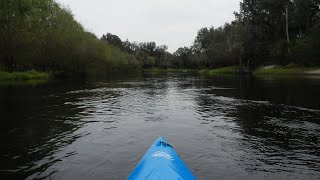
point(25, 76)
point(34, 76)
point(172, 70)
point(231, 70)
point(44, 36)
point(265, 71)
point(287, 70)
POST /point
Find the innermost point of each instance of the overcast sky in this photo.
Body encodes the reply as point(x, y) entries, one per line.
point(171, 22)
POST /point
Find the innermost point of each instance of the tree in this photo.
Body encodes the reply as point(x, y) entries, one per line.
point(306, 51)
point(112, 40)
point(306, 14)
point(184, 58)
point(202, 40)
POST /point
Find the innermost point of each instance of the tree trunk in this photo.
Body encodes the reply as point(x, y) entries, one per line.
point(240, 64)
point(287, 27)
point(287, 24)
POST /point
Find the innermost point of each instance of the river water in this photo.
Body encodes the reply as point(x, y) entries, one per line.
point(223, 127)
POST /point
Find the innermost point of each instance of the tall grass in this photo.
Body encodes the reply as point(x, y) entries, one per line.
point(231, 70)
point(23, 76)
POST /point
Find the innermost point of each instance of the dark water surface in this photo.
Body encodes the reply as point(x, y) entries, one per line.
point(223, 128)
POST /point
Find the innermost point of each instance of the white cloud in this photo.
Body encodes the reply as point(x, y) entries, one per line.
point(171, 22)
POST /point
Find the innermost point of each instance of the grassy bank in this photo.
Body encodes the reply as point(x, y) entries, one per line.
point(231, 70)
point(24, 76)
point(287, 71)
point(159, 70)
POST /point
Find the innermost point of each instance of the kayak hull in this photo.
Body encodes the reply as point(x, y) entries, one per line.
point(160, 162)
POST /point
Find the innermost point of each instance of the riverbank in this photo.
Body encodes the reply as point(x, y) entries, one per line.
point(287, 70)
point(231, 70)
point(23, 76)
point(264, 71)
point(160, 70)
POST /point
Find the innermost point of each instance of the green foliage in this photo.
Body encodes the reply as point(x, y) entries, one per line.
point(23, 76)
point(112, 40)
point(277, 52)
point(147, 54)
point(306, 14)
point(230, 70)
point(264, 41)
point(212, 46)
point(42, 35)
point(258, 37)
point(307, 49)
point(184, 57)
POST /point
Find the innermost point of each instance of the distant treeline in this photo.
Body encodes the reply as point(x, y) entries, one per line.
point(42, 35)
point(264, 32)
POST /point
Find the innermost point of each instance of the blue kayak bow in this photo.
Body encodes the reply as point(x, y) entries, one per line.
point(161, 162)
